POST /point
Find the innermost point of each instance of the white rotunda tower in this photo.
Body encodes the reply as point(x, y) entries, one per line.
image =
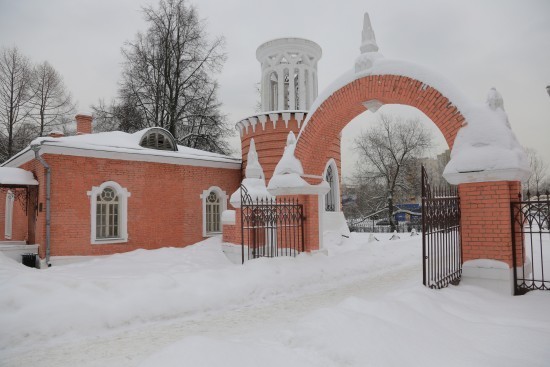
point(288, 89)
point(289, 73)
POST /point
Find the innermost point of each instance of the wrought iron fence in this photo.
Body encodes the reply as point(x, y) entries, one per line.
point(441, 243)
point(531, 243)
point(271, 227)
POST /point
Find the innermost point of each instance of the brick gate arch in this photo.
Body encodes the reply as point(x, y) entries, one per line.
point(485, 204)
point(327, 122)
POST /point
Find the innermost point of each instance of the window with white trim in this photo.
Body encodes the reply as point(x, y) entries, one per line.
point(8, 223)
point(109, 213)
point(214, 202)
point(106, 214)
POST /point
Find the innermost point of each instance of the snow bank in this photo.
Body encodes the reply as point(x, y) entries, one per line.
point(16, 176)
point(413, 326)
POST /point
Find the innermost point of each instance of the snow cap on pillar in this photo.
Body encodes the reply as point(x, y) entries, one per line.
point(289, 163)
point(253, 167)
point(254, 180)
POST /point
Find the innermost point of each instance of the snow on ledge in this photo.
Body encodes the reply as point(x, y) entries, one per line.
point(16, 177)
point(293, 184)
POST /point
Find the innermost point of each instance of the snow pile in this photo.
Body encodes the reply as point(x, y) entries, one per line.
point(485, 148)
point(287, 174)
point(254, 181)
point(16, 176)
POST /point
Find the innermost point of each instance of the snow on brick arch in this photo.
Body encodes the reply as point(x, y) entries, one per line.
point(484, 148)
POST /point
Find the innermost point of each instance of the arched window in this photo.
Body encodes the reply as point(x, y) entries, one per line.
point(8, 224)
point(214, 202)
point(109, 213)
point(158, 138)
point(332, 197)
point(274, 91)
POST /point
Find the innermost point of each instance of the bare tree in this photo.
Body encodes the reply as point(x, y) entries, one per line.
point(535, 184)
point(123, 116)
point(15, 94)
point(51, 102)
point(390, 153)
point(167, 78)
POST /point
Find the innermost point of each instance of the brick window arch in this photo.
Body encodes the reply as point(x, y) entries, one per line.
point(109, 213)
point(214, 202)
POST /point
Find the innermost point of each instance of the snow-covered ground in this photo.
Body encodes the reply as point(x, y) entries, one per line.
point(362, 305)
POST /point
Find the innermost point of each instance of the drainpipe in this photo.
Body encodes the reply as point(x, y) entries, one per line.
point(36, 149)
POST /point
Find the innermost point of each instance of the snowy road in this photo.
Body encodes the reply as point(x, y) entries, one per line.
point(130, 347)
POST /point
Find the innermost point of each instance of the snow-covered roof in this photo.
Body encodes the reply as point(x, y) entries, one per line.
point(10, 176)
point(125, 146)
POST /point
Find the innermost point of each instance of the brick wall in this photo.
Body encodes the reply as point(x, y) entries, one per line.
point(485, 219)
point(164, 209)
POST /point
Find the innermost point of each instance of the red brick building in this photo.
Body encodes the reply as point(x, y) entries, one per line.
point(114, 192)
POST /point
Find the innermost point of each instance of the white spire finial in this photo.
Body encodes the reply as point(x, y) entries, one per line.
point(368, 43)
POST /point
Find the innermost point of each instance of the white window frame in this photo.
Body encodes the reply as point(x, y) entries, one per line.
point(123, 196)
point(336, 192)
point(223, 203)
point(8, 223)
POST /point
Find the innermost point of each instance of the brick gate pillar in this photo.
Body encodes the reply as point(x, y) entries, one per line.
point(312, 222)
point(486, 228)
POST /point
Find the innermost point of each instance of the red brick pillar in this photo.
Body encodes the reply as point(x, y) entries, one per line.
point(485, 220)
point(231, 233)
point(311, 222)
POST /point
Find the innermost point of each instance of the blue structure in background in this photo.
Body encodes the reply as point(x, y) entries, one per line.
point(415, 213)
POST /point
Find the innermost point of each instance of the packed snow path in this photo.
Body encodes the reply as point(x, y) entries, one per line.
point(361, 305)
point(131, 346)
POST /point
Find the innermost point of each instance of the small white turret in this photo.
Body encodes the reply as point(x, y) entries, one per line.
point(289, 74)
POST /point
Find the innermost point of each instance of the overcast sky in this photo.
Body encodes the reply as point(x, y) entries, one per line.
point(475, 44)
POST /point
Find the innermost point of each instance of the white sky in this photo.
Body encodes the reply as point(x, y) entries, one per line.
point(476, 44)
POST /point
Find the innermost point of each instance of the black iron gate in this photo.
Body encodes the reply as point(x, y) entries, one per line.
point(441, 246)
point(271, 227)
point(531, 243)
